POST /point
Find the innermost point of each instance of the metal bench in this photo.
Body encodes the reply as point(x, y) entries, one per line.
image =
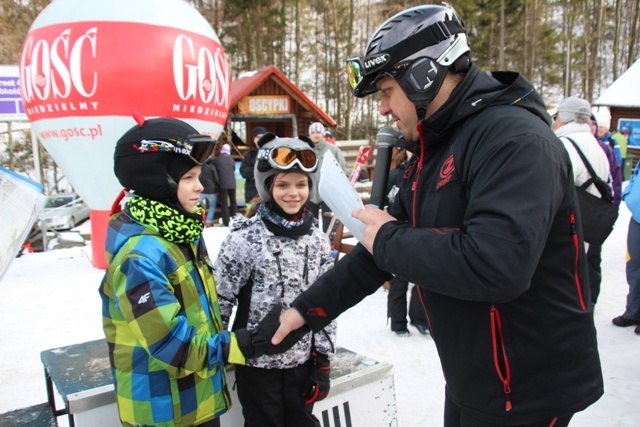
point(40, 415)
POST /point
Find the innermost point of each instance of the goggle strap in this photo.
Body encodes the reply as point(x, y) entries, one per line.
point(431, 35)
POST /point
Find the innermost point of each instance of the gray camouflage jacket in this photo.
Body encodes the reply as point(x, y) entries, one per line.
point(256, 269)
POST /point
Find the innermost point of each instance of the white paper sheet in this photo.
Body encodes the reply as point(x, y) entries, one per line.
point(20, 202)
point(337, 192)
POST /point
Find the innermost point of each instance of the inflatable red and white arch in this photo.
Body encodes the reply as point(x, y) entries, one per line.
point(85, 65)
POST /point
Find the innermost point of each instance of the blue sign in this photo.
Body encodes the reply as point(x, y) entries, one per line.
point(11, 108)
point(634, 127)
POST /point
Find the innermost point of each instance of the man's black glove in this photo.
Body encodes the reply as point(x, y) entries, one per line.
point(317, 384)
point(257, 342)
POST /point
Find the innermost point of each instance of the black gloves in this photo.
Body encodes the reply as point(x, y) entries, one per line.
point(317, 384)
point(257, 342)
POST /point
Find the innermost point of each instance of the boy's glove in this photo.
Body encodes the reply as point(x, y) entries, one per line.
point(317, 384)
point(257, 342)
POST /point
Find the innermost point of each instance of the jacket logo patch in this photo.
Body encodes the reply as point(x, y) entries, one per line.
point(446, 172)
point(317, 312)
point(144, 298)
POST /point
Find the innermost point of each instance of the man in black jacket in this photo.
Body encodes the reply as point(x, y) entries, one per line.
point(486, 223)
point(210, 182)
point(247, 166)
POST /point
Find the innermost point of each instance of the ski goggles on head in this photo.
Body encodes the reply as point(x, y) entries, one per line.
point(285, 158)
point(364, 71)
point(198, 147)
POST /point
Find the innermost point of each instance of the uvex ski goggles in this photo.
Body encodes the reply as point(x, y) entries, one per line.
point(285, 158)
point(198, 147)
point(362, 71)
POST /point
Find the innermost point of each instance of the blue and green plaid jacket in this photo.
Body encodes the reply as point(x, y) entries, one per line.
point(162, 324)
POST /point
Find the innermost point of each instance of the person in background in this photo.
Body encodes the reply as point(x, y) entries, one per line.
point(631, 196)
point(210, 183)
point(603, 118)
point(160, 314)
point(329, 137)
point(594, 252)
point(621, 139)
point(316, 131)
point(226, 167)
point(484, 223)
point(398, 287)
point(248, 162)
point(626, 133)
point(267, 260)
point(572, 122)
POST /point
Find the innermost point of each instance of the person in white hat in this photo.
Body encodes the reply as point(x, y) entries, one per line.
point(316, 134)
point(603, 119)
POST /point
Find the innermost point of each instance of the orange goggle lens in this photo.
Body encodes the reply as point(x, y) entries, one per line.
point(285, 158)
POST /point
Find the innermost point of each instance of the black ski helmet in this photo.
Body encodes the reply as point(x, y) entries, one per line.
point(416, 47)
point(152, 157)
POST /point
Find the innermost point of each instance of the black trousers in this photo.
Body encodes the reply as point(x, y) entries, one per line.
point(397, 306)
point(273, 397)
point(227, 200)
point(453, 417)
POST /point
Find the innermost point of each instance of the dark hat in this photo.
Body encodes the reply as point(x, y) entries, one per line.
point(152, 172)
point(258, 131)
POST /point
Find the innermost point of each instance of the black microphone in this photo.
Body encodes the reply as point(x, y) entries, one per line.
point(385, 140)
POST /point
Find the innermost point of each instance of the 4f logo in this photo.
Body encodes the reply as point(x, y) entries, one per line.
point(144, 298)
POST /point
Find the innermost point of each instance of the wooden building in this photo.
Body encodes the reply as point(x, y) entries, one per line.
point(267, 98)
point(623, 100)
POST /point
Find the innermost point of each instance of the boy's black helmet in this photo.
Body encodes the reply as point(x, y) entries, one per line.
point(151, 158)
point(416, 47)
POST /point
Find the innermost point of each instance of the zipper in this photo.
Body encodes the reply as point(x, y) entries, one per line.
point(305, 269)
point(276, 254)
point(414, 185)
point(576, 247)
point(500, 355)
point(414, 221)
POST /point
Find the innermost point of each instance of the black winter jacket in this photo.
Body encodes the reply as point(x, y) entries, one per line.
point(225, 165)
point(487, 227)
point(209, 178)
point(247, 172)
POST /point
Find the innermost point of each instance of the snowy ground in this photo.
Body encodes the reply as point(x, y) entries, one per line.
point(51, 300)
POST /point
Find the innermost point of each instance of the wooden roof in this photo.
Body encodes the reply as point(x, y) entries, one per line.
point(250, 81)
point(624, 91)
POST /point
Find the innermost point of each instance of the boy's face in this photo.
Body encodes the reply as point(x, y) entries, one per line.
point(315, 137)
point(189, 189)
point(290, 191)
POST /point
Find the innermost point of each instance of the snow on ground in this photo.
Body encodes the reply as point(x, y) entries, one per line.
point(51, 300)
